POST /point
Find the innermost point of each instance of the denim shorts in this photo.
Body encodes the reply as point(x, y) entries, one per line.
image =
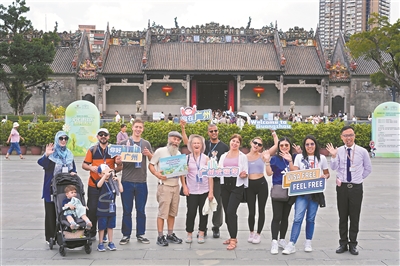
point(105, 222)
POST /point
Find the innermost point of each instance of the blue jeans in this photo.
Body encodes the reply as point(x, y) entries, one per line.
point(137, 192)
point(14, 146)
point(303, 204)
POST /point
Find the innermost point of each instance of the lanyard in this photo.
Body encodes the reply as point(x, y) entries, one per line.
point(211, 150)
point(352, 155)
point(307, 163)
point(109, 190)
point(198, 168)
point(105, 153)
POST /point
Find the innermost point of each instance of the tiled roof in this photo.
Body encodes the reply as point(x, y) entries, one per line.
point(368, 67)
point(213, 57)
point(124, 60)
point(302, 60)
point(62, 62)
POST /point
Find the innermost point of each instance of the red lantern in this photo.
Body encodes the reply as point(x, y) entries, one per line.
point(258, 90)
point(167, 89)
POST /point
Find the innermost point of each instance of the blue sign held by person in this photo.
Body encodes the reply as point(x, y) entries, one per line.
point(308, 186)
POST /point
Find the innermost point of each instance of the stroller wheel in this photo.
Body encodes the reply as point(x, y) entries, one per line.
point(62, 251)
point(88, 249)
point(51, 243)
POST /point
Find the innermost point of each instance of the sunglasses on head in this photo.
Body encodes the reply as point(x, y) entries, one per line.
point(213, 131)
point(63, 138)
point(284, 145)
point(310, 144)
point(102, 134)
point(256, 143)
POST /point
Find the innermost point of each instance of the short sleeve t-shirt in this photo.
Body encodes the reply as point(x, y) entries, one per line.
point(129, 172)
point(162, 153)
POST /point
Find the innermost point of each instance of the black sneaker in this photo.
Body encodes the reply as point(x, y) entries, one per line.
point(124, 240)
point(143, 240)
point(161, 241)
point(174, 239)
point(215, 232)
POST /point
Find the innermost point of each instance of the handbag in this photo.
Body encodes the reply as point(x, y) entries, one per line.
point(279, 194)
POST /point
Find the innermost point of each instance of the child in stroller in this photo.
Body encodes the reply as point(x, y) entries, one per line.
point(73, 208)
point(65, 235)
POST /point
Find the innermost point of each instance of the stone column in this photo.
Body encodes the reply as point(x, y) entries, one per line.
point(187, 90)
point(281, 94)
point(145, 94)
point(238, 85)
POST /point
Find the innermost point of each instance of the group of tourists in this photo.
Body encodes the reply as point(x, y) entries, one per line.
point(221, 194)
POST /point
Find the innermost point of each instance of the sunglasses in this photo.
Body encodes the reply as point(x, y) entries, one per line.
point(284, 145)
point(213, 131)
point(310, 144)
point(102, 134)
point(63, 138)
point(256, 143)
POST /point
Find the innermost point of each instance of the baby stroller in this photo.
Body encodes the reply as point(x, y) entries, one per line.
point(64, 235)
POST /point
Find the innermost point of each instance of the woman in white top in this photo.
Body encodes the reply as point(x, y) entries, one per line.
point(197, 188)
point(233, 185)
point(310, 158)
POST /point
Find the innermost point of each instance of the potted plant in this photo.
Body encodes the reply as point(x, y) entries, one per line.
point(33, 137)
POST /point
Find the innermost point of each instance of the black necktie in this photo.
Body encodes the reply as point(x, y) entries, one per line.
point(348, 165)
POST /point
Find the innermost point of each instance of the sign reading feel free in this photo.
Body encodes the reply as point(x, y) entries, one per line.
point(304, 182)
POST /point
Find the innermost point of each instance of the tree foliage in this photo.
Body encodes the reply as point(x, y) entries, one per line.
point(25, 54)
point(382, 45)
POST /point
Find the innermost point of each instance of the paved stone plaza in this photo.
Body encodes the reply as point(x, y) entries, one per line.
point(23, 243)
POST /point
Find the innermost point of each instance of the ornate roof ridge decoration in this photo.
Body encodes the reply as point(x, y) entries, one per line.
point(69, 39)
point(87, 69)
point(337, 71)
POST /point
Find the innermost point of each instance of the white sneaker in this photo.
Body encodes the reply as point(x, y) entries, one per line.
point(256, 239)
point(307, 246)
point(282, 243)
point(289, 249)
point(274, 247)
point(251, 236)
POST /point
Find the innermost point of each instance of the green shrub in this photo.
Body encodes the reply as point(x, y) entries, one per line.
point(42, 133)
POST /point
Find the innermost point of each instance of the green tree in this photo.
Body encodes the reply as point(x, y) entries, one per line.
point(382, 45)
point(25, 54)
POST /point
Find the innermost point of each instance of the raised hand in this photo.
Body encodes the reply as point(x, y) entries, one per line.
point(49, 149)
point(297, 148)
point(266, 156)
point(331, 150)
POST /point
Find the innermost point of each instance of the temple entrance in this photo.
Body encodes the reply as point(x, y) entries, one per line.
point(337, 105)
point(89, 98)
point(212, 95)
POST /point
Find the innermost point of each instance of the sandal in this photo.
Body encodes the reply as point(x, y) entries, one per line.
point(189, 239)
point(232, 244)
point(200, 239)
point(226, 242)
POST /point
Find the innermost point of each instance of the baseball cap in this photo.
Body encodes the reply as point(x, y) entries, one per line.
point(102, 167)
point(105, 130)
point(175, 134)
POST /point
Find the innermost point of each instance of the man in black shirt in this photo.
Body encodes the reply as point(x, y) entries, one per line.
point(214, 147)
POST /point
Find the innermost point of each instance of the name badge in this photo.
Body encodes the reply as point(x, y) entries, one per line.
point(111, 207)
point(352, 169)
point(64, 169)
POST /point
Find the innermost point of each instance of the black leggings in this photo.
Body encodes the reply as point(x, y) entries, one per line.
point(194, 203)
point(231, 197)
point(280, 220)
point(49, 220)
point(258, 188)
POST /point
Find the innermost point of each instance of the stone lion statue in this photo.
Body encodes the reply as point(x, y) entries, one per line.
point(138, 107)
point(291, 109)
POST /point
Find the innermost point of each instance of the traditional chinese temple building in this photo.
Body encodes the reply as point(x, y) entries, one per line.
point(211, 66)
